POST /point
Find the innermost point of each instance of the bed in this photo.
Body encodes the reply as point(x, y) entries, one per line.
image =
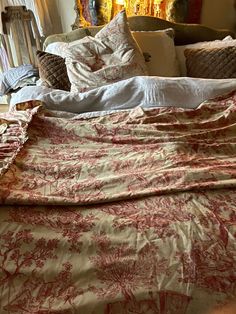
point(120, 198)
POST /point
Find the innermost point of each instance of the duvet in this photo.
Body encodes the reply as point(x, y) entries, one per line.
point(130, 212)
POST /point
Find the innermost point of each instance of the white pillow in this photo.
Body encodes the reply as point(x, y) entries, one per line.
point(112, 55)
point(227, 41)
point(159, 45)
point(57, 48)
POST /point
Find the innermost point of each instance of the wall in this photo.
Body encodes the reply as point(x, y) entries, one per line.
point(55, 17)
point(66, 13)
point(219, 14)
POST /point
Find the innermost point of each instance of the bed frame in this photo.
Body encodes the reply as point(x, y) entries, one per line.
point(184, 33)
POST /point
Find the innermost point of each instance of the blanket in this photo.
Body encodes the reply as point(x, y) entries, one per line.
point(131, 212)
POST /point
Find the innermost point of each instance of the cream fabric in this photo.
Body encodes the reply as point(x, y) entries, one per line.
point(227, 41)
point(133, 212)
point(112, 55)
point(160, 47)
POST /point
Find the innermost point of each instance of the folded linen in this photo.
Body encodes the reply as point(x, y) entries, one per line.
point(11, 79)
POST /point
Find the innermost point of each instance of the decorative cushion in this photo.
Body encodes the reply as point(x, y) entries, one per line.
point(226, 42)
point(215, 63)
point(112, 55)
point(57, 48)
point(159, 46)
point(52, 70)
point(60, 48)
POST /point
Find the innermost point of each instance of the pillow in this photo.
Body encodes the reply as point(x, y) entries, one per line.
point(214, 63)
point(112, 55)
point(57, 48)
point(227, 41)
point(160, 48)
point(52, 70)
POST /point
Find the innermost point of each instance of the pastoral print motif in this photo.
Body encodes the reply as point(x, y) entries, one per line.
point(166, 247)
point(126, 154)
point(111, 56)
point(104, 264)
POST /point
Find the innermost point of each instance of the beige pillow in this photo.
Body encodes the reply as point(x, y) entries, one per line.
point(226, 42)
point(112, 55)
point(214, 63)
point(160, 48)
point(52, 71)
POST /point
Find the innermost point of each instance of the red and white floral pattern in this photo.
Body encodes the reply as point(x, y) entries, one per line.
point(111, 56)
point(133, 212)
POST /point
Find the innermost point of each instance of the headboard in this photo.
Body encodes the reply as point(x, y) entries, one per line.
point(184, 33)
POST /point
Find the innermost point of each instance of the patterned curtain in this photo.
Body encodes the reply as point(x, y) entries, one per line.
point(99, 12)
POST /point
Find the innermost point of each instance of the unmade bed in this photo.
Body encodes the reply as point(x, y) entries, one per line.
point(119, 199)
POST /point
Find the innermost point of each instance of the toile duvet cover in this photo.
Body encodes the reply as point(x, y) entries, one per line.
point(130, 212)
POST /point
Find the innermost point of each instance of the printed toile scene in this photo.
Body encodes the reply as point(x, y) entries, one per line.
point(117, 158)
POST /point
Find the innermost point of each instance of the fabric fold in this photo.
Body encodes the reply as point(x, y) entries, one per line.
point(13, 135)
point(124, 155)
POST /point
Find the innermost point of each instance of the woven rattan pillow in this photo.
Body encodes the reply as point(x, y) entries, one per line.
point(52, 71)
point(215, 63)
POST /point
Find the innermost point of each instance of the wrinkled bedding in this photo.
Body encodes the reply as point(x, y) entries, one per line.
point(131, 212)
point(143, 91)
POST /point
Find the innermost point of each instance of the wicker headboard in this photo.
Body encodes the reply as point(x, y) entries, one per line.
point(184, 33)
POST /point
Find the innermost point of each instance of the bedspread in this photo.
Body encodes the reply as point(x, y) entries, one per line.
point(132, 212)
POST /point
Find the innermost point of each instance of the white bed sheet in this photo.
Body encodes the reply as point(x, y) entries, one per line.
point(147, 92)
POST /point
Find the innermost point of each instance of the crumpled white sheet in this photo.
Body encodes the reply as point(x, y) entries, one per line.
point(147, 92)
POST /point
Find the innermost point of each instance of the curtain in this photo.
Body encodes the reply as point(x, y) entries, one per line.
point(99, 12)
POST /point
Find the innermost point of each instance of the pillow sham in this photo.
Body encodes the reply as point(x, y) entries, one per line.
point(57, 48)
point(112, 55)
point(214, 63)
point(52, 71)
point(227, 41)
point(159, 49)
